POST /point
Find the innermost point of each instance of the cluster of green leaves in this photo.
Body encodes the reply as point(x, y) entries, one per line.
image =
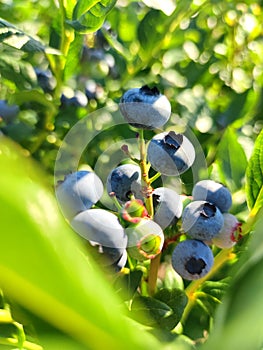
point(206, 56)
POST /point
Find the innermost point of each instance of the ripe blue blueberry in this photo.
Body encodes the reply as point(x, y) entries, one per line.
point(45, 79)
point(213, 192)
point(102, 228)
point(119, 264)
point(145, 108)
point(202, 220)
point(8, 112)
point(108, 256)
point(230, 232)
point(167, 205)
point(192, 259)
point(170, 153)
point(78, 100)
point(124, 181)
point(145, 239)
point(79, 191)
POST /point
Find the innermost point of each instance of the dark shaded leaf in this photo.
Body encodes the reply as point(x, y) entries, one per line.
point(127, 285)
point(149, 311)
point(176, 299)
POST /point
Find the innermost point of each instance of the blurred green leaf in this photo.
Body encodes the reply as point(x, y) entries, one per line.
point(254, 176)
point(151, 31)
point(231, 160)
point(89, 15)
point(73, 56)
point(166, 6)
point(44, 266)
point(36, 96)
point(12, 36)
point(19, 72)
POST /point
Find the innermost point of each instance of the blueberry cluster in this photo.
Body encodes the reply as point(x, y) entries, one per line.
point(77, 194)
point(139, 227)
point(206, 221)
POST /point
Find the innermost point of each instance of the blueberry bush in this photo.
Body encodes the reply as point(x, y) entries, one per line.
point(131, 158)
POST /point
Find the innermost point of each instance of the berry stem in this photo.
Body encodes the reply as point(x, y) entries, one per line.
point(153, 273)
point(146, 185)
point(192, 289)
point(147, 189)
point(154, 177)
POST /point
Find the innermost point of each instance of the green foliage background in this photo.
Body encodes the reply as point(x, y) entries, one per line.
point(207, 58)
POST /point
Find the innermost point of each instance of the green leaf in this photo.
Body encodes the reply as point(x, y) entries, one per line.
point(83, 7)
point(45, 268)
point(35, 96)
point(176, 299)
point(254, 176)
point(163, 311)
point(73, 56)
point(89, 15)
point(12, 36)
point(231, 160)
point(151, 31)
point(149, 311)
point(19, 72)
point(127, 285)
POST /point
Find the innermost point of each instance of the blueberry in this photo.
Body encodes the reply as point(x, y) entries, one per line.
point(119, 264)
point(108, 256)
point(8, 112)
point(230, 232)
point(168, 206)
point(170, 153)
point(79, 191)
point(202, 220)
point(145, 108)
point(78, 100)
point(124, 181)
point(213, 192)
point(192, 259)
point(145, 239)
point(102, 228)
point(45, 79)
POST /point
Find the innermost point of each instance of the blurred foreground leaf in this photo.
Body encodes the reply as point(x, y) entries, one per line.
point(43, 265)
point(239, 320)
point(254, 175)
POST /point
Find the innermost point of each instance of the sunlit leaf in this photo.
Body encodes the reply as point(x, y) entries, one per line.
point(12, 36)
point(89, 15)
point(254, 175)
point(166, 6)
point(231, 160)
